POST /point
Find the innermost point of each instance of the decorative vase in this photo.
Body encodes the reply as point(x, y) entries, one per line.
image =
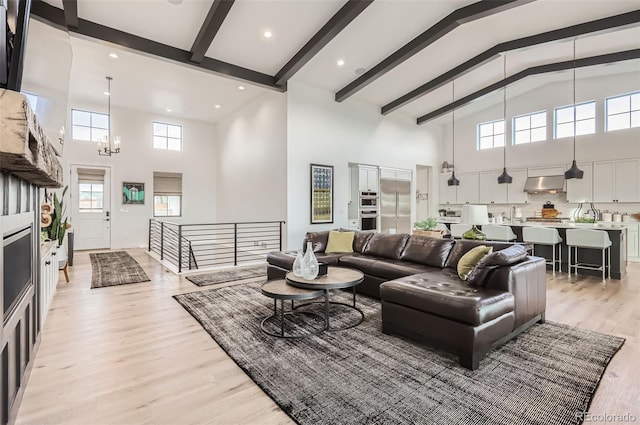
point(297, 264)
point(310, 266)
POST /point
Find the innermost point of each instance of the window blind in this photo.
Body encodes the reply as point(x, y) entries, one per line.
point(167, 184)
point(90, 175)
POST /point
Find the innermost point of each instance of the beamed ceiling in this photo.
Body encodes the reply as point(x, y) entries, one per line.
point(401, 56)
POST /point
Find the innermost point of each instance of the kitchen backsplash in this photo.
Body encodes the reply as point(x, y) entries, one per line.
point(536, 201)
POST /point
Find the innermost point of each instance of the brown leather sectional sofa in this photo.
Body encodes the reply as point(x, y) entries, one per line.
point(424, 299)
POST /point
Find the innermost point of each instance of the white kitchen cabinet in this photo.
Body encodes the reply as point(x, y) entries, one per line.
point(626, 186)
point(555, 170)
point(616, 181)
point(490, 191)
point(448, 194)
point(604, 180)
point(48, 277)
point(633, 243)
point(367, 179)
point(469, 190)
point(515, 190)
point(581, 190)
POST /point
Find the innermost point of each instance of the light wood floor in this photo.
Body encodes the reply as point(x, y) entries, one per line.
point(131, 355)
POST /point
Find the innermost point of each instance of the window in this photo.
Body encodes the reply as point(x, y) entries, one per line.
point(90, 190)
point(530, 128)
point(89, 126)
point(90, 197)
point(491, 134)
point(167, 136)
point(623, 111)
point(585, 119)
point(167, 194)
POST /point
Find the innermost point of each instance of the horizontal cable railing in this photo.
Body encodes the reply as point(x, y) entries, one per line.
point(214, 244)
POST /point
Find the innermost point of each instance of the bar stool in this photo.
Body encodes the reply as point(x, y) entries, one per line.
point(457, 230)
point(545, 236)
point(497, 232)
point(593, 239)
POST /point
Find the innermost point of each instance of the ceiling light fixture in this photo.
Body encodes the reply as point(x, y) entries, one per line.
point(453, 180)
point(169, 110)
point(113, 56)
point(217, 106)
point(268, 34)
point(106, 93)
point(240, 87)
point(504, 177)
point(574, 172)
point(340, 62)
point(106, 148)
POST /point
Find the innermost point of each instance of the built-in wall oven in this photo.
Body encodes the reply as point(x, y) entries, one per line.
point(368, 200)
point(369, 219)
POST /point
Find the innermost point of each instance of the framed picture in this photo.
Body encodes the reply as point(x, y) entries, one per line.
point(321, 193)
point(132, 193)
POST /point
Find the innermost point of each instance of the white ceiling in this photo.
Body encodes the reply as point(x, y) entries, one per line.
point(149, 83)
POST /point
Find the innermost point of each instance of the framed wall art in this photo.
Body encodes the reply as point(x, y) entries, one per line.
point(321, 193)
point(132, 193)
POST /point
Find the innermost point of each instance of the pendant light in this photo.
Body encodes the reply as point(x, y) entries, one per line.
point(504, 178)
point(453, 180)
point(574, 172)
point(106, 148)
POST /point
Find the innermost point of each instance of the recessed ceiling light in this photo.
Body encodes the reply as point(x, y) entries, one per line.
point(267, 34)
point(169, 110)
point(113, 56)
point(106, 93)
point(240, 87)
point(340, 62)
point(217, 106)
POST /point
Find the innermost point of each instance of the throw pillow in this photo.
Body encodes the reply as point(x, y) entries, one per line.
point(469, 260)
point(340, 242)
point(504, 257)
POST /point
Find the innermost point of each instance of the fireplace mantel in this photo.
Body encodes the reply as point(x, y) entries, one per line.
point(25, 149)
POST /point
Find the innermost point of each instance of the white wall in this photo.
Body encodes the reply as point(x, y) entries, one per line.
point(600, 146)
point(137, 162)
point(322, 131)
point(251, 162)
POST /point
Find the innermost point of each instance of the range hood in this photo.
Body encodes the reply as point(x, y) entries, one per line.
point(545, 184)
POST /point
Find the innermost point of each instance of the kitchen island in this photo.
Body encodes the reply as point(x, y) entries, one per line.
point(617, 233)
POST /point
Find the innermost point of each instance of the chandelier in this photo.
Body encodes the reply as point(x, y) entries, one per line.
point(106, 147)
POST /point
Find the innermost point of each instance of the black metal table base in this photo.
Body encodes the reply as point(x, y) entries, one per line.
point(326, 303)
point(281, 316)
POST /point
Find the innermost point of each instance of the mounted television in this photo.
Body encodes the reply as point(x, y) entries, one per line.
point(18, 267)
point(12, 42)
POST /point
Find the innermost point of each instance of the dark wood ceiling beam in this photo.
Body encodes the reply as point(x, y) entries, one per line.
point(212, 23)
point(540, 69)
point(337, 23)
point(71, 13)
point(612, 22)
point(456, 18)
point(55, 16)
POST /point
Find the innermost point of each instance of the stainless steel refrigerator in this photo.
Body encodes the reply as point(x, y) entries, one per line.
point(395, 205)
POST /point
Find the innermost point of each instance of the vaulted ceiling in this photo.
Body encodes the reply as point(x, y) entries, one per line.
point(190, 55)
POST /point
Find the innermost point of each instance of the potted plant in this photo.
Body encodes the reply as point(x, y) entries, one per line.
point(59, 223)
point(427, 228)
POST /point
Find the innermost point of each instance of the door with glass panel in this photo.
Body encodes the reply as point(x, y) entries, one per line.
point(90, 206)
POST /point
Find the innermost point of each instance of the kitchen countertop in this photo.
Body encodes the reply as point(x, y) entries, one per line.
point(603, 225)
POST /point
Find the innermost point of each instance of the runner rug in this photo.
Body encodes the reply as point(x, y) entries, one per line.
point(547, 375)
point(115, 268)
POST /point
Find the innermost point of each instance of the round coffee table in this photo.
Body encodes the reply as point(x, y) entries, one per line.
point(336, 278)
point(280, 290)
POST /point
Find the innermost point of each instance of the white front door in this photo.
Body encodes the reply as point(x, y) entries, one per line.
point(90, 203)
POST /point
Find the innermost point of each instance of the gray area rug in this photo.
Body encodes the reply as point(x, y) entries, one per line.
point(115, 268)
point(361, 376)
point(229, 275)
